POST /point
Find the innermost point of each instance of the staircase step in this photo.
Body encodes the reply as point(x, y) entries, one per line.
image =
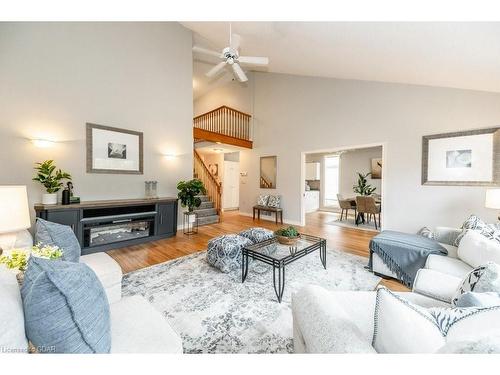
point(206, 204)
point(205, 220)
point(204, 198)
point(206, 212)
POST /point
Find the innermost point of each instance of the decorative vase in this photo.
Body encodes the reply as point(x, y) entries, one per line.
point(289, 241)
point(49, 198)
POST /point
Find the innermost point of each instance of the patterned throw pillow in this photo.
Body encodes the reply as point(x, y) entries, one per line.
point(473, 222)
point(427, 233)
point(262, 200)
point(426, 330)
point(481, 279)
point(257, 235)
point(274, 201)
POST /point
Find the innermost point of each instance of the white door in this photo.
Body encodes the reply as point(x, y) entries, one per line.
point(231, 185)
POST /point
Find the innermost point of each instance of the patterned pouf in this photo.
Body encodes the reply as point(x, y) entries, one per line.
point(257, 235)
point(224, 252)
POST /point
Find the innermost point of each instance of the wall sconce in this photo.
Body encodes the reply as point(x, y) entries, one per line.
point(169, 156)
point(42, 143)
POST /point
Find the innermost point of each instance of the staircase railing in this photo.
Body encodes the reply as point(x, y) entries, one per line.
point(227, 121)
point(212, 186)
point(265, 183)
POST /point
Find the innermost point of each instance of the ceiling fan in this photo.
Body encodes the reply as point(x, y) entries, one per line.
point(230, 57)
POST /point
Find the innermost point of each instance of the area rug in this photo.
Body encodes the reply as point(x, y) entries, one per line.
point(349, 223)
point(214, 312)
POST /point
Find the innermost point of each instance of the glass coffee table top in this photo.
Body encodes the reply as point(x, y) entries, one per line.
point(276, 251)
point(277, 255)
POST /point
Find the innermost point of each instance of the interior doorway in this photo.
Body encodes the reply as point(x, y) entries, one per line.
point(332, 181)
point(231, 184)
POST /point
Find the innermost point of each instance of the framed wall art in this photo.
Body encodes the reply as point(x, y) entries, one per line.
point(114, 150)
point(467, 158)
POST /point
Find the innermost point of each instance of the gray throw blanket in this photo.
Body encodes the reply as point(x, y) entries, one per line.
point(404, 253)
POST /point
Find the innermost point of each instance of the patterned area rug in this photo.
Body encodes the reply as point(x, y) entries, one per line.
point(215, 313)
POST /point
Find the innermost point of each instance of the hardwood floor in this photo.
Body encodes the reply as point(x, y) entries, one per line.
point(353, 241)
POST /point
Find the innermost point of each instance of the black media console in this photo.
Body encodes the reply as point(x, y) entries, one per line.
point(106, 225)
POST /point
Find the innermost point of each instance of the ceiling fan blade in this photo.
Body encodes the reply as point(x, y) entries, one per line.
point(239, 73)
point(206, 51)
point(216, 69)
point(235, 41)
point(253, 60)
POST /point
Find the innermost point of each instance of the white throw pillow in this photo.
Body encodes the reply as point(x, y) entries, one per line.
point(402, 327)
point(12, 334)
point(475, 249)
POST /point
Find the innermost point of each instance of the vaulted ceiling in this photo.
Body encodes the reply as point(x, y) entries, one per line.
point(457, 54)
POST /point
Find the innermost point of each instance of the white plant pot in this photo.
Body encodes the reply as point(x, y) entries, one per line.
point(49, 198)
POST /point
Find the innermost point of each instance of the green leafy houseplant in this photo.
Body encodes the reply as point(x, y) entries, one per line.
point(188, 191)
point(363, 187)
point(49, 177)
point(287, 236)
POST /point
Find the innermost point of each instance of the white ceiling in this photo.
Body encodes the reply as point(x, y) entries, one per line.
point(458, 54)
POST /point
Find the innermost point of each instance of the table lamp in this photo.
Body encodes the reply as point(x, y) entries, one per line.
point(493, 199)
point(14, 218)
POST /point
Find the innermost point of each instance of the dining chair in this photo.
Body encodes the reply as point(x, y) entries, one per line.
point(367, 205)
point(346, 205)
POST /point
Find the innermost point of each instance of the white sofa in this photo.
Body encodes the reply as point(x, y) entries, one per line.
point(339, 322)
point(136, 327)
point(343, 322)
point(441, 275)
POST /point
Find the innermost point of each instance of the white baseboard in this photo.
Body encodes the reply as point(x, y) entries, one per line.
point(271, 218)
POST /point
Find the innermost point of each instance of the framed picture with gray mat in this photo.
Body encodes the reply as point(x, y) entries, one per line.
point(114, 150)
point(467, 158)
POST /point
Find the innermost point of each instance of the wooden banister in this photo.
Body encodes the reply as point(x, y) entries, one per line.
point(264, 183)
point(226, 121)
point(212, 186)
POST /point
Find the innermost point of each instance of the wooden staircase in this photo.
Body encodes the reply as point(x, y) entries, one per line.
point(223, 125)
point(211, 203)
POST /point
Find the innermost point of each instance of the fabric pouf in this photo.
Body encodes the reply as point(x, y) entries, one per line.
point(257, 235)
point(224, 252)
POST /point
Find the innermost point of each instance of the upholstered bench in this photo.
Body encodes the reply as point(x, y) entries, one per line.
point(257, 235)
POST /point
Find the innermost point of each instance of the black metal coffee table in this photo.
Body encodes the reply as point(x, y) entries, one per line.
point(273, 253)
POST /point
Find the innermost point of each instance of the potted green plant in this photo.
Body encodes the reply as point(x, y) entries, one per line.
point(363, 187)
point(188, 191)
point(287, 236)
point(51, 179)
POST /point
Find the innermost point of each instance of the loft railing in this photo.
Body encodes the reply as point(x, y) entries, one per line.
point(227, 121)
point(212, 186)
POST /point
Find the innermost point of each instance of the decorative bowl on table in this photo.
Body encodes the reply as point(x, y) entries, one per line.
point(287, 236)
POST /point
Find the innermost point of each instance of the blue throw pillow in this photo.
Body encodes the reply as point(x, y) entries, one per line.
point(62, 236)
point(65, 308)
point(471, 299)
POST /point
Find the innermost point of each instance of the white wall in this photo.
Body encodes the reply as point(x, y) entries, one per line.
point(55, 77)
point(352, 162)
point(234, 94)
point(294, 114)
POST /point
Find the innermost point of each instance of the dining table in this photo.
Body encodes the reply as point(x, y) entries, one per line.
point(360, 217)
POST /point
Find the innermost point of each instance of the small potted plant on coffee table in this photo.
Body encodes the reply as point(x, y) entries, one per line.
point(287, 236)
